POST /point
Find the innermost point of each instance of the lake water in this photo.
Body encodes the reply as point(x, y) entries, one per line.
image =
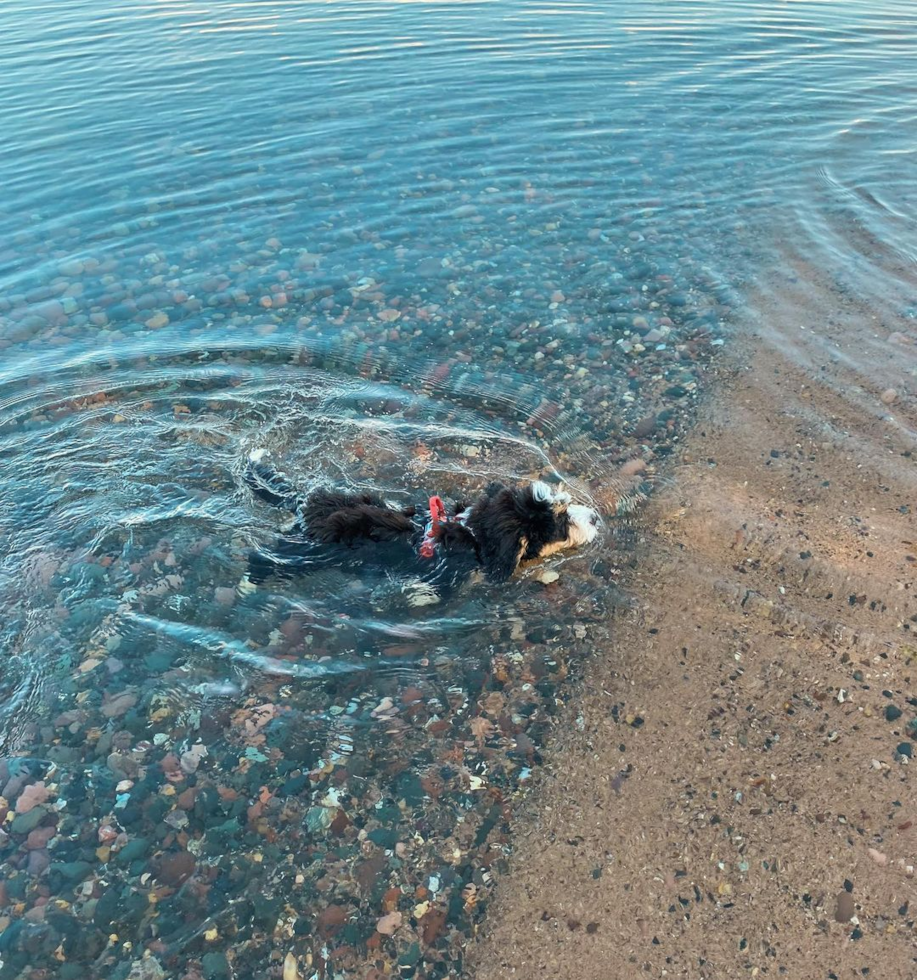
point(410, 247)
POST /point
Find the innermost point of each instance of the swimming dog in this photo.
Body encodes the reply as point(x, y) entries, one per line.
point(502, 528)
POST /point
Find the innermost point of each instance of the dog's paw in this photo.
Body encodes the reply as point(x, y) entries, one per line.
point(420, 593)
point(246, 586)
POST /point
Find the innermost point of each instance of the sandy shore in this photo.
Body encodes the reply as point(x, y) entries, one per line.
point(730, 794)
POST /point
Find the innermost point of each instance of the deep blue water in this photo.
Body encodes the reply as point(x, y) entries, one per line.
point(403, 246)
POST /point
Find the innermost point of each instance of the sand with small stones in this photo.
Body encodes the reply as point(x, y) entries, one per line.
point(730, 795)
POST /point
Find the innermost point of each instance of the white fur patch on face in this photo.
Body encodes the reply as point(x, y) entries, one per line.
point(583, 525)
point(583, 529)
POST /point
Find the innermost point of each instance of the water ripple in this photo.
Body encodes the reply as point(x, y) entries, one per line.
point(403, 246)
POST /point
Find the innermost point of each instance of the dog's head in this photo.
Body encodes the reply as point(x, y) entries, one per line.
point(515, 525)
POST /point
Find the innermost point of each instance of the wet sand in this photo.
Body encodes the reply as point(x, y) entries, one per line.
point(730, 793)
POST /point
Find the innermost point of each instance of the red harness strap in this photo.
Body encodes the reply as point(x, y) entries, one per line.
point(437, 517)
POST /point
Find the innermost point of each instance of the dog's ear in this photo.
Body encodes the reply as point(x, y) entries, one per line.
point(502, 558)
point(499, 529)
point(503, 539)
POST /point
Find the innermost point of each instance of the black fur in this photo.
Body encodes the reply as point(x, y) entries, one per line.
point(342, 518)
point(503, 527)
point(510, 525)
point(454, 538)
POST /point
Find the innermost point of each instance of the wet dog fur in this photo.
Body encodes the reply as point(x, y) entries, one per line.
point(502, 528)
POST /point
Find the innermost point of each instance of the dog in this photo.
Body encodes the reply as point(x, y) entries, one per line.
point(432, 551)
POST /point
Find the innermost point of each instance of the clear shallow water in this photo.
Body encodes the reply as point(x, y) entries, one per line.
point(413, 247)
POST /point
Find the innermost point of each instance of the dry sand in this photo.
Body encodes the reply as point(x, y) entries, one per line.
point(726, 798)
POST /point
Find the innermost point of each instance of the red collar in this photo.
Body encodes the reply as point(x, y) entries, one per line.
point(437, 517)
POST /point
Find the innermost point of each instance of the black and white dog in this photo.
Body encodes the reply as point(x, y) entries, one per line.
point(434, 551)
